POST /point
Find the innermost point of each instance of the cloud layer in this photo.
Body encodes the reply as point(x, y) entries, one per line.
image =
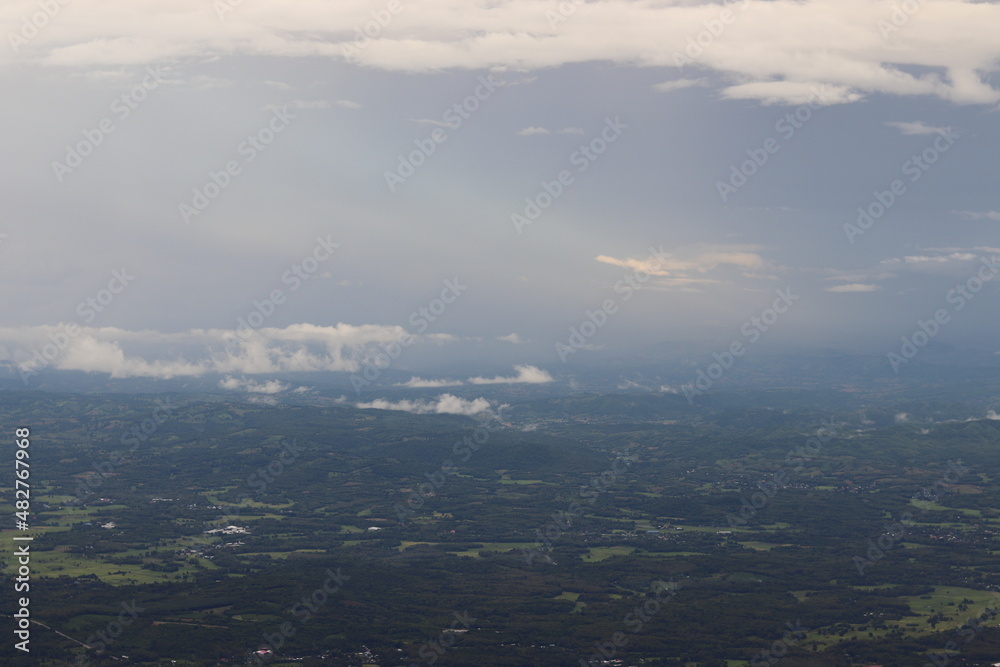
point(123, 353)
point(446, 404)
point(778, 51)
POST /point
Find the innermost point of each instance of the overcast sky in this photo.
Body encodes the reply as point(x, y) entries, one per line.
point(170, 167)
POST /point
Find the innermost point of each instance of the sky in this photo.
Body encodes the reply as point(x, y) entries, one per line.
point(252, 187)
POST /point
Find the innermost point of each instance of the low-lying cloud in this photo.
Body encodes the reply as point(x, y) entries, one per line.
point(525, 375)
point(445, 404)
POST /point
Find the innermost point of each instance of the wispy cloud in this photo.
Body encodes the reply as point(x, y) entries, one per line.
point(854, 287)
point(446, 404)
point(525, 375)
point(980, 215)
point(918, 127)
point(766, 55)
point(254, 387)
point(678, 84)
point(126, 353)
point(420, 383)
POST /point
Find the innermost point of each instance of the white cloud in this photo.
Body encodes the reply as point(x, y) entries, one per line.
point(309, 104)
point(525, 375)
point(902, 418)
point(854, 287)
point(511, 338)
point(678, 84)
point(777, 51)
point(444, 404)
point(348, 104)
point(570, 130)
point(431, 121)
point(918, 127)
point(531, 131)
point(792, 92)
point(981, 215)
point(421, 383)
point(688, 266)
point(124, 353)
point(254, 387)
